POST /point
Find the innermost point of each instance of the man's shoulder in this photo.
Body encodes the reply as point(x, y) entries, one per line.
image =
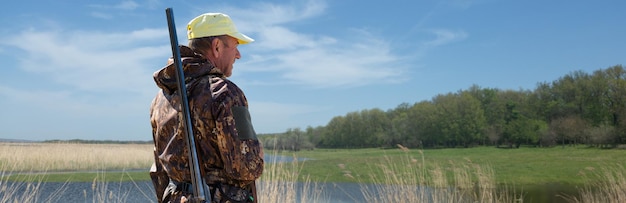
point(225, 90)
point(224, 84)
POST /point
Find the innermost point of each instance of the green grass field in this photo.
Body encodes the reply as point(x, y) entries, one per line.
point(511, 166)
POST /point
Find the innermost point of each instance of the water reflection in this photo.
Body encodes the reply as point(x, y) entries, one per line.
point(281, 159)
point(549, 192)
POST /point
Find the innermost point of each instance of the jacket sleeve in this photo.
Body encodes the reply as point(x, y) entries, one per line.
point(241, 155)
point(160, 180)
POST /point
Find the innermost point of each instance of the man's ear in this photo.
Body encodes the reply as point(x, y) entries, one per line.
point(215, 47)
point(214, 51)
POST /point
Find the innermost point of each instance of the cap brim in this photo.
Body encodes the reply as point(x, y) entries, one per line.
point(241, 38)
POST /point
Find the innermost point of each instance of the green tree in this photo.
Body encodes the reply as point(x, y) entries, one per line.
point(334, 134)
point(615, 96)
point(516, 114)
point(460, 119)
point(422, 129)
point(399, 131)
point(494, 111)
point(314, 134)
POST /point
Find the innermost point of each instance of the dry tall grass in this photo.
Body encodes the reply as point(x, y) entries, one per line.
point(75, 157)
point(102, 191)
point(24, 190)
point(35, 160)
point(280, 181)
point(605, 186)
point(409, 180)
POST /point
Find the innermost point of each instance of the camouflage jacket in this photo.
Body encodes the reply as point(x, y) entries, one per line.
point(224, 157)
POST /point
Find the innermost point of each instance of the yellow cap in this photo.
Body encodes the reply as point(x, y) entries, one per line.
point(215, 24)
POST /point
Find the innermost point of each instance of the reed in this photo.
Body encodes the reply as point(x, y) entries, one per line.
point(74, 156)
point(26, 167)
point(103, 190)
point(24, 189)
point(280, 180)
point(607, 185)
point(410, 180)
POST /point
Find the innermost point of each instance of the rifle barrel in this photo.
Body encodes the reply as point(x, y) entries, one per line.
point(201, 194)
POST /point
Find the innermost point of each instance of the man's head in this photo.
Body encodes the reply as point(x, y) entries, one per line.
point(215, 36)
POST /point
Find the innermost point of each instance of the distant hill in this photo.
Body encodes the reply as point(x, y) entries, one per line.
point(15, 140)
point(99, 141)
point(77, 141)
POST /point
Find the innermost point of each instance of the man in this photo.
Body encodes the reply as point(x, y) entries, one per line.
point(230, 156)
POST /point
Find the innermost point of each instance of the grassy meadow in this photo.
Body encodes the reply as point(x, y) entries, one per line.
point(483, 174)
point(521, 166)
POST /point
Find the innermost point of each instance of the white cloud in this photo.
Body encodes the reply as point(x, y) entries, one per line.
point(92, 61)
point(283, 39)
point(267, 14)
point(96, 70)
point(110, 11)
point(443, 37)
point(101, 15)
point(127, 5)
point(360, 63)
point(314, 59)
point(124, 5)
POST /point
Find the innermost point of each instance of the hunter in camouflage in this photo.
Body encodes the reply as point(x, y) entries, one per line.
point(230, 155)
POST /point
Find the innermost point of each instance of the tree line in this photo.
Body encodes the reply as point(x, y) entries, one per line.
point(578, 108)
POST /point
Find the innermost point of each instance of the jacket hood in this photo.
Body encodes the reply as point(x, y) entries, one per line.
point(194, 66)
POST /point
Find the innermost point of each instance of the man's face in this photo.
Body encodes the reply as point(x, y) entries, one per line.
point(228, 54)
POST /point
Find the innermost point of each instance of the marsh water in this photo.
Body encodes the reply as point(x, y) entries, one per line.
point(143, 192)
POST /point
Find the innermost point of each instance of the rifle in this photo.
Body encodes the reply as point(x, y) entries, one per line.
point(200, 191)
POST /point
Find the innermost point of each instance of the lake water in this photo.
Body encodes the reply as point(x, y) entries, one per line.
point(143, 192)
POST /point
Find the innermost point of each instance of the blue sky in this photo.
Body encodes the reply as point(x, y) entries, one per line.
point(83, 69)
